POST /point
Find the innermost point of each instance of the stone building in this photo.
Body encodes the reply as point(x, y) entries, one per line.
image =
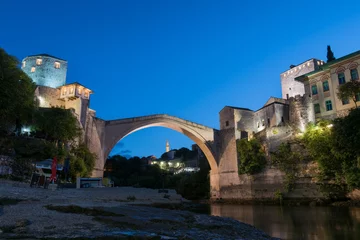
point(289, 86)
point(49, 74)
point(308, 93)
point(321, 86)
point(45, 70)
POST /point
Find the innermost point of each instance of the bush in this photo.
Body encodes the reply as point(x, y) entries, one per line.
point(287, 161)
point(251, 156)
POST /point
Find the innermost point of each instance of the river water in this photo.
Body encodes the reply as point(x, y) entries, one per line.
point(297, 223)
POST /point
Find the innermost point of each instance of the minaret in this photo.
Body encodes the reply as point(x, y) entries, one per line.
point(167, 146)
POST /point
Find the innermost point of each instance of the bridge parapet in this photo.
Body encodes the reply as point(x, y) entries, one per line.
point(156, 116)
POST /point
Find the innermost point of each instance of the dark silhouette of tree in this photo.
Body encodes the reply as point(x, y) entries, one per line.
point(16, 93)
point(330, 54)
point(349, 90)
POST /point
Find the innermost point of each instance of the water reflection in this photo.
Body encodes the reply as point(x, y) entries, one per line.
point(303, 223)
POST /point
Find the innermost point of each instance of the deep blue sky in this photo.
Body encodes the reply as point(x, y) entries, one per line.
point(184, 58)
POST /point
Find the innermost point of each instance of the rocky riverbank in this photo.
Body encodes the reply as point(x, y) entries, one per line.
point(108, 213)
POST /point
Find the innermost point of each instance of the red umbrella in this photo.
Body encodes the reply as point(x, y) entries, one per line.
point(53, 170)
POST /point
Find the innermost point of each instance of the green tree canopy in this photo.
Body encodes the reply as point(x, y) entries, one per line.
point(57, 124)
point(16, 93)
point(318, 140)
point(349, 90)
point(251, 156)
point(346, 136)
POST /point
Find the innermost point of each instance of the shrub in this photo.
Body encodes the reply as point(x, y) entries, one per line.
point(251, 156)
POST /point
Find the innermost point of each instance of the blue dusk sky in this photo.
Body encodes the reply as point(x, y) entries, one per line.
point(184, 58)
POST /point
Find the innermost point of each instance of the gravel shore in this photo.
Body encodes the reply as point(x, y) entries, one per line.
point(107, 213)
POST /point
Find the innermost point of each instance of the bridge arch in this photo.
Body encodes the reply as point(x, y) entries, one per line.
point(203, 136)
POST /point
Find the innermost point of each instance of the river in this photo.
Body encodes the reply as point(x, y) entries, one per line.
point(297, 223)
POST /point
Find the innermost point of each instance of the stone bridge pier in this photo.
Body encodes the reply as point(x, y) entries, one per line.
point(219, 147)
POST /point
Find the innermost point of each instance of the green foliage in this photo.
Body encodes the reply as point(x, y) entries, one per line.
point(57, 124)
point(349, 90)
point(131, 172)
point(16, 93)
point(346, 139)
point(318, 140)
point(287, 161)
point(251, 156)
point(279, 196)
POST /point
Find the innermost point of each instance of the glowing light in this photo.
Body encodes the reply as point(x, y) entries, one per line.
point(38, 61)
point(33, 69)
point(25, 129)
point(330, 126)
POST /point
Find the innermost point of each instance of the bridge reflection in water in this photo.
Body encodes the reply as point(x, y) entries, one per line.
point(297, 223)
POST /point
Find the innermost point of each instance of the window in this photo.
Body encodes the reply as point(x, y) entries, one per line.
point(344, 102)
point(287, 96)
point(33, 69)
point(317, 108)
point(282, 119)
point(263, 122)
point(268, 120)
point(326, 86)
point(38, 61)
point(314, 89)
point(354, 74)
point(23, 64)
point(341, 77)
point(227, 123)
point(57, 65)
point(328, 105)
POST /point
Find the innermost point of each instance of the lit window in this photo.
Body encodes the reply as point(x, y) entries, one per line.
point(64, 91)
point(79, 90)
point(328, 105)
point(317, 108)
point(326, 86)
point(33, 69)
point(341, 77)
point(71, 90)
point(57, 65)
point(354, 74)
point(344, 102)
point(314, 89)
point(38, 61)
point(23, 64)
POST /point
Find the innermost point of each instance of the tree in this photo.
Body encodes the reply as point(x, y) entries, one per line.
point(346, 136)
point(251, 156)
point(57, 124)
point(16, 93)
point(349, 90)
point(330, 54)
point(318, 140)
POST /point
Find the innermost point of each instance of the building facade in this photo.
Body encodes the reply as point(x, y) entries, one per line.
point(309, 93)
point(49, 74)
point(322, 86)
point(45, 70)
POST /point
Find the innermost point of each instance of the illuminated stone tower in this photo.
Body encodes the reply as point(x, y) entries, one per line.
point(167, 146)
point(289, 86)
point(45, 70)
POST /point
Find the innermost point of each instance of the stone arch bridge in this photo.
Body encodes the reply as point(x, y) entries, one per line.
point(101, 136)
